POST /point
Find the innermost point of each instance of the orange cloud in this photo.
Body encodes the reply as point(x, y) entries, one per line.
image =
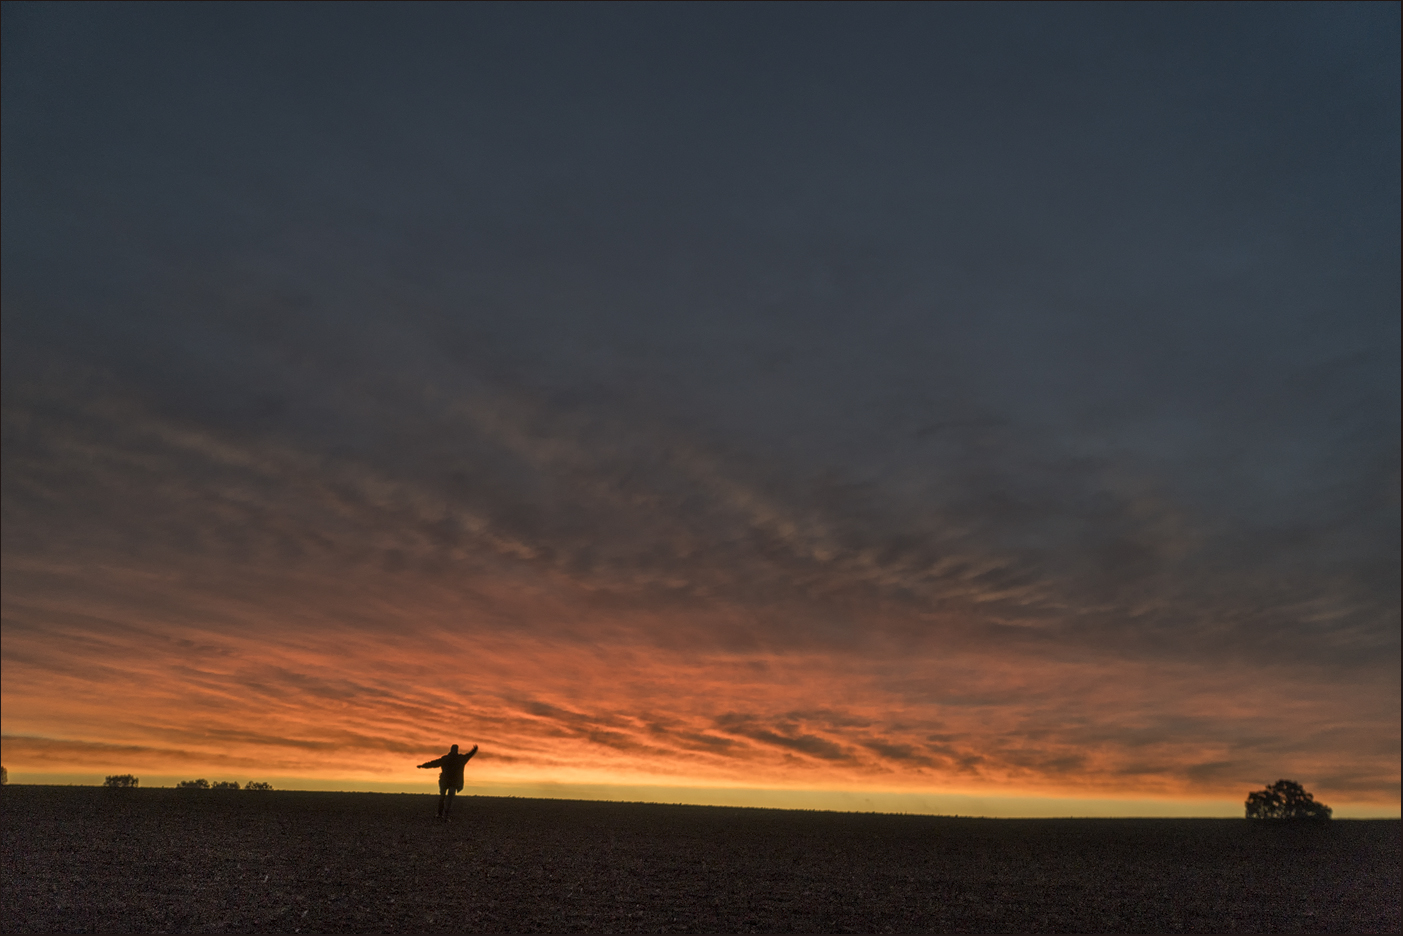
point(131, 686)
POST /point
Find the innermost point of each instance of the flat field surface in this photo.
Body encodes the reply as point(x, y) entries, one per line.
point(81, 859)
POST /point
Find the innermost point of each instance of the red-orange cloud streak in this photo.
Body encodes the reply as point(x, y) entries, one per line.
point(98, 682)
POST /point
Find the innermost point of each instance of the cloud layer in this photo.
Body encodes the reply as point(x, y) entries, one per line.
point(701, 398)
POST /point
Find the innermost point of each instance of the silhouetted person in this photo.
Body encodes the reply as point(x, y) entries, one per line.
point(450, 777)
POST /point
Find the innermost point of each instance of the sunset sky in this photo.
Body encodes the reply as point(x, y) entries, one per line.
point(985, 409)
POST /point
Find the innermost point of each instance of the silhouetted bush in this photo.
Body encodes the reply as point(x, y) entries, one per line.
point(1285, 799)
point(193, 785)
point(4, 776)
point(225, 785)
point(123, 781)
point(257, 785)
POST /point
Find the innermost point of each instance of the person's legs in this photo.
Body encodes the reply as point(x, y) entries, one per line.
point(444, 791)
point(449, 808)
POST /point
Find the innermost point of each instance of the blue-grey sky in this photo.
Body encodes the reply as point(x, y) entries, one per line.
point(1019, 332)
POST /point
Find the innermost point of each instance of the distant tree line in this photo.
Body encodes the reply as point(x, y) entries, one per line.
point(203, 784)
point(127, 781)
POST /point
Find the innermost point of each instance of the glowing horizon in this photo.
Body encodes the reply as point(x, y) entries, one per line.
point(599, 703)
point(970, 805)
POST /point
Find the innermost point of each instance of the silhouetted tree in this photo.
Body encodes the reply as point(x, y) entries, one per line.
point(200, 784)
point(225, 785)
point(1285, 799)
point(120, 782)
point(257, 785)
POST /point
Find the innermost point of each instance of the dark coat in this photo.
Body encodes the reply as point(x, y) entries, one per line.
point(450, 769)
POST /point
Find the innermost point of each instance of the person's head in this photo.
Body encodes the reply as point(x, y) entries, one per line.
point(453, 750)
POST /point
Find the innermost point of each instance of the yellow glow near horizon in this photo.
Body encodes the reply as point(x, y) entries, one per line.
point(1004, 805)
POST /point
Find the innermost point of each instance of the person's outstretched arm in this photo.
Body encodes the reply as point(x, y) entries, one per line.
point(436, 762)
point(471, 753)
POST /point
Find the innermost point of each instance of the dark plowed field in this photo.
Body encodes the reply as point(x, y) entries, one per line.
point(79, 859)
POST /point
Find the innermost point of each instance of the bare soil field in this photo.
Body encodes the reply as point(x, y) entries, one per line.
point(81, 859)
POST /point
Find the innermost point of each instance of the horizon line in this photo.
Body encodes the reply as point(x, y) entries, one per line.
point(954, 805)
